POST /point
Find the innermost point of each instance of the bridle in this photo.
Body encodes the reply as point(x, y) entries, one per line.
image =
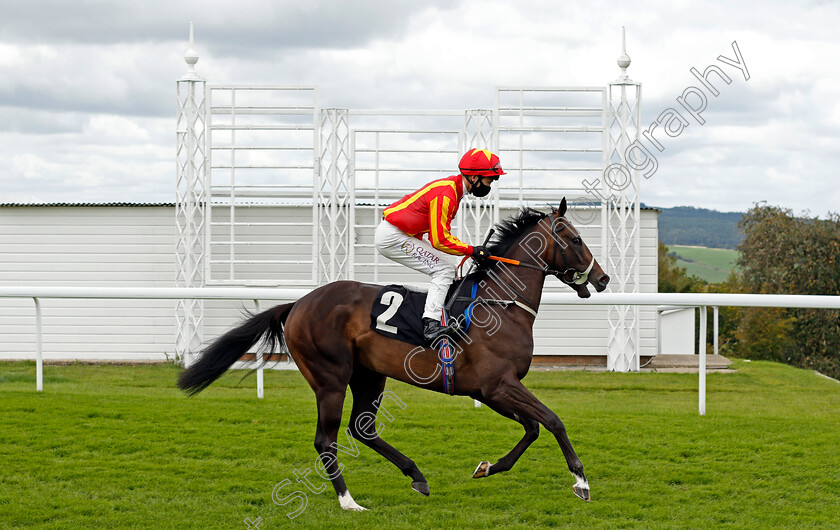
point(576, 277)
point(568, 275)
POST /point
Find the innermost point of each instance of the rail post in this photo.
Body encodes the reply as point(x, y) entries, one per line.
point(701, 347)
point(259, 362)
point(39, 351)
point(715, 317)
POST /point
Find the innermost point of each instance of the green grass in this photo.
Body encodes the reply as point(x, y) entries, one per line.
point(710, 264)
point(119, 446)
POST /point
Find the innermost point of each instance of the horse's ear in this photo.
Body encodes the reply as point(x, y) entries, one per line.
point(562, 211)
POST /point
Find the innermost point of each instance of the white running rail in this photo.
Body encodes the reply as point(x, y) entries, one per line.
point(701, 300)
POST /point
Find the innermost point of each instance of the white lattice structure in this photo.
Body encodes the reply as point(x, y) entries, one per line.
point(477, 216)
point(335, 198)
point(268, 146)
point(190, 211)
point(621, 218)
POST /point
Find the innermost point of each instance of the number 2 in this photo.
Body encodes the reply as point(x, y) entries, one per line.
point(393, 301)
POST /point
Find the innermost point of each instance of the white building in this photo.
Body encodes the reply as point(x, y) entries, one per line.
point(122, 245)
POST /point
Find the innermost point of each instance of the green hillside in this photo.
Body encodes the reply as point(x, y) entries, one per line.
point(710, 264)
point(685, 225)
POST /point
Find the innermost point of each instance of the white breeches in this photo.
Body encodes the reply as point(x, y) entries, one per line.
point(420, 255)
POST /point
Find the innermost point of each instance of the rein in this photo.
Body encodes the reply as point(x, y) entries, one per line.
point(578, 277)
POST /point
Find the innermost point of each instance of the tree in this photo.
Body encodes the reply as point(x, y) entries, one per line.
point(785, 254)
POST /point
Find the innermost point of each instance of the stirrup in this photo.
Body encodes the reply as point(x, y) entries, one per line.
point(433, 330)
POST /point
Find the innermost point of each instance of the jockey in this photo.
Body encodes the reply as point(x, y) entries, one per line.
point(430, 210)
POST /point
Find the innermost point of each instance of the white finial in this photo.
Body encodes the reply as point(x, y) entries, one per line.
point(624, 59)
point(191, 57)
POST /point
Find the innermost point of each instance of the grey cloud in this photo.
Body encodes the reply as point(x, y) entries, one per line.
point(122, 57)
point(25, 121)
point(228, 27)
point(41, 100)
point(120, 79)
point(83, 167)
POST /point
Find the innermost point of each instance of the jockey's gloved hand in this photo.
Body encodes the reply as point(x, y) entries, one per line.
point(480, 254)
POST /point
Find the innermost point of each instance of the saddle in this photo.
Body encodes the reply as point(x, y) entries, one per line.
point(397, 311)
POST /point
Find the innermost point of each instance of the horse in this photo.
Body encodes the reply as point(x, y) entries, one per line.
point(328, 334)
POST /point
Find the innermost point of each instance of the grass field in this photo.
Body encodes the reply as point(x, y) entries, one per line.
point(710, 264)
point(119, 446)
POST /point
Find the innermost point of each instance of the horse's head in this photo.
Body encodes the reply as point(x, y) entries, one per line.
point(550, 244)
point(568, 256)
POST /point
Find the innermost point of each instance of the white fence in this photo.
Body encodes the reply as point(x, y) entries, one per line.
point(256, 294)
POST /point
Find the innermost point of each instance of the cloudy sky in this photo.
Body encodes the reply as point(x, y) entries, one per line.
point(87, 89)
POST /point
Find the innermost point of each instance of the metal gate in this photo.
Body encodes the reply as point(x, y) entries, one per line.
point(263, 151)
point(270, 147)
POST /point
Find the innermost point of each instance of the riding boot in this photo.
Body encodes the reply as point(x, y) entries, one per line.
point(432, 329)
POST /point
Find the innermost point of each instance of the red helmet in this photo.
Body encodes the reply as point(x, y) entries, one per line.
point(480, 162)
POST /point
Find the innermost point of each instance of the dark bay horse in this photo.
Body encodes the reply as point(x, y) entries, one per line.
point(328, 334)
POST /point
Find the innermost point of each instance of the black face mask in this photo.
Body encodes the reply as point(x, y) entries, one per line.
point(480, 189)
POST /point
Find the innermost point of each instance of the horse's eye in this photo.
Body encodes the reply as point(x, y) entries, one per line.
point(576, 240)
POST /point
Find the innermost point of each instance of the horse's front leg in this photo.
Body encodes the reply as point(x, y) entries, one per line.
point(512, 394)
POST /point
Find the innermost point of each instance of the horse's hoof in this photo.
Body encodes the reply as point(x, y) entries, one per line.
point(483, 470)
point(582, 493)
point(421, 487)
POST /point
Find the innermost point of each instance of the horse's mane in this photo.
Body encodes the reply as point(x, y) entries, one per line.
point(509, 231)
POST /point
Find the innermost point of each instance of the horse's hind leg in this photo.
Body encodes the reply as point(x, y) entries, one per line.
point(329, 383)
point(519, 400)
point(532, 432)
point(368, 388)
point(329, 421)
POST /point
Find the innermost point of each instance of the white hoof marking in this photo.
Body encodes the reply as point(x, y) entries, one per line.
point(581, 482)
point(347, 503)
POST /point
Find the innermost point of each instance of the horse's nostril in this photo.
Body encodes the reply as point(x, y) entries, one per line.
point(604, 281)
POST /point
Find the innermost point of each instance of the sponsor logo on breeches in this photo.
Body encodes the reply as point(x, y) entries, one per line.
point(420, 254)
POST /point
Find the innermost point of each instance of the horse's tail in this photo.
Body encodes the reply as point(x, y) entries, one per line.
point(227, 349)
